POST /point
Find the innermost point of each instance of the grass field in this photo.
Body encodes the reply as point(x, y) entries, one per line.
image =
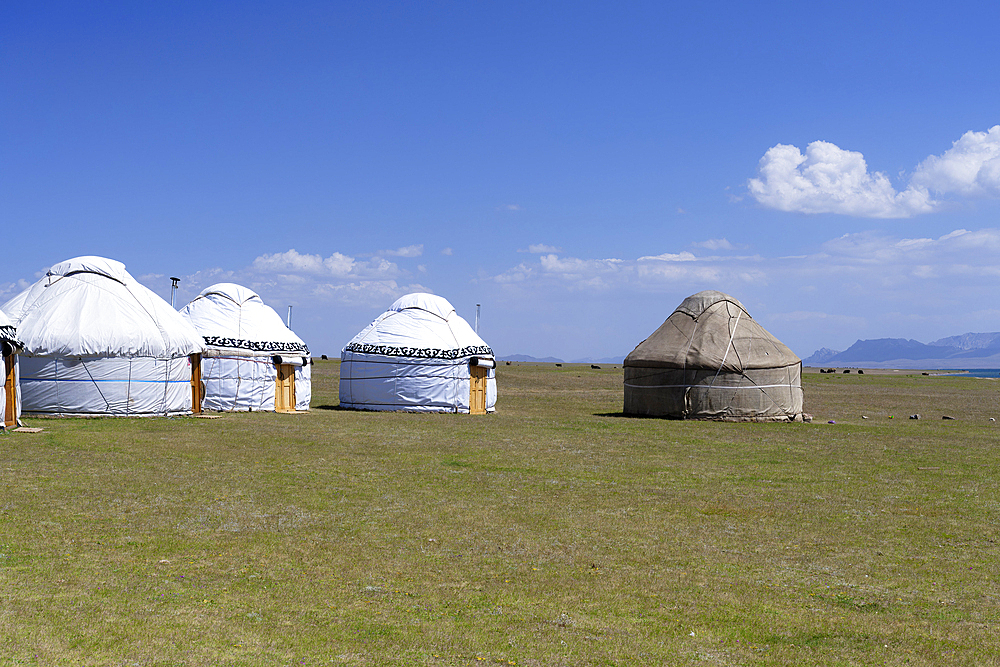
point(554, 532)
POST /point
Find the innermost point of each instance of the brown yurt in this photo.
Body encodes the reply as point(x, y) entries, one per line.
point(711, 360)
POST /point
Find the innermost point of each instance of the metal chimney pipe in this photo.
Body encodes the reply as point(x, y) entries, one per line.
point(173, 288)
point(288, 321)
point(477, 318)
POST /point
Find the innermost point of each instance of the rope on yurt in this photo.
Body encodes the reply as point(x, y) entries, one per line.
point(732, 335)
point(96, 386)
point(128, 390)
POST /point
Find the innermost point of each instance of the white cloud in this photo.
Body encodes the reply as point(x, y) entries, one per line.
point(880, 249)
point(684, 256)
point(862, 285)
point(539, 248)
point(292, 261)
point(377, 293)
point(572, 265)
point(658, 274)
point(447, 251)
point(289, 261)
point(971, 167)
point(296, 278)
point(519, 274)
point(602, 274)
point(861, 263)
point(407, 251)
point(716, 244)
point(10, 290)
point(829, 179)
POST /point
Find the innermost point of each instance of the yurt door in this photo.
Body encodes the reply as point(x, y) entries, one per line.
point(284, 388)
point(197, 388)
point(477, 389)
point(10, 392)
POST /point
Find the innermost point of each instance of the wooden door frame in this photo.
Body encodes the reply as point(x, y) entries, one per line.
point(197, 388)
point(476, 385)
point(278, 388)
point(10, 390)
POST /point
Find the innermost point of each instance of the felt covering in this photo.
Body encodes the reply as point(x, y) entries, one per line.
point(414, 357)
point(711, 360)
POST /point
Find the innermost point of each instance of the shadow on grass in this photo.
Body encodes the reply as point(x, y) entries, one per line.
point(627, 416)
point(333, 407)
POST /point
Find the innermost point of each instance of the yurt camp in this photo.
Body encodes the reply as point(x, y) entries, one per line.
point(252, 361)
point(10, 399)
point(418, 356)
point(97, 342)
point(711, 360)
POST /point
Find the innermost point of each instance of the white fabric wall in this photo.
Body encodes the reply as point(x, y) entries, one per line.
point(242, 383)
point(373, 382)
point(238, 384)
point(303, 386)
point(116, 386)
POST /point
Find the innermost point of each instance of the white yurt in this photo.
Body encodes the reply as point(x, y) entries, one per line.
point(252, 361)
point(96, 342)
point(418, 356)
point(10, 398)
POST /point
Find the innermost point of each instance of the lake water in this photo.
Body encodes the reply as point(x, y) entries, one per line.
point(980, 373)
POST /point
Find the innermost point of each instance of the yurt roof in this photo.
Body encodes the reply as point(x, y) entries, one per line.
point(711, 330)
point(238, 294)
point(420, 325)
point(91, 306)
point(230, 315)
point(432, 303)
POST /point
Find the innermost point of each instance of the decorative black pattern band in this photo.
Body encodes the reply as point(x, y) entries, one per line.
point(419, 352)
point(8, 336)
point(256, 346)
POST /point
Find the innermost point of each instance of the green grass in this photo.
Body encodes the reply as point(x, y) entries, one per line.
point(555, 532)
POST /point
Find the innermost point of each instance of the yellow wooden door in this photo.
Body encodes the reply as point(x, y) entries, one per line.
point(284, 389)
point(10, 392)
point(197, 388)
point(477, 389)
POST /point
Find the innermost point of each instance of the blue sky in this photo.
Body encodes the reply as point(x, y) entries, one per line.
point(576, 168)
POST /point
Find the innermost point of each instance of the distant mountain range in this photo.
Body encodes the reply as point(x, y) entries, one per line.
point(971, 350)
point(553, 360)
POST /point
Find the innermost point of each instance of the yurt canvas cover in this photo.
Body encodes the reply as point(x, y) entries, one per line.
point(10, 397)
point(418, 356)
point(711, 360)
point(245, 344)
point(96, 342)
